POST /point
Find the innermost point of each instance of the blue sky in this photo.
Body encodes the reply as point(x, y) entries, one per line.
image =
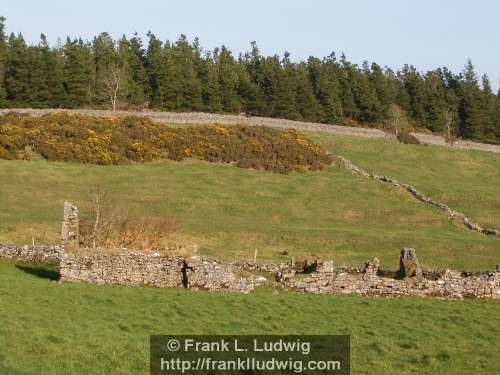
point(425, 33)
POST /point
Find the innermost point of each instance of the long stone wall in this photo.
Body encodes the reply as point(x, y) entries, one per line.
point(136, 268)
point(154, 269)
point(36, 254)
point(310, 277)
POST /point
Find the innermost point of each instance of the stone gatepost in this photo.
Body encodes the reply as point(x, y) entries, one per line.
point(70, 231)
point(408, 263)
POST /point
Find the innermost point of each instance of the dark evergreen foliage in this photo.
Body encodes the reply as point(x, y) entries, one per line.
point(180, 76)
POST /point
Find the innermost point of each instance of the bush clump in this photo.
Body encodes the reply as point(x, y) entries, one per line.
point(118, 140)
point(407, 138)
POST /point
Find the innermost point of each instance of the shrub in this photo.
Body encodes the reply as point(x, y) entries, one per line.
point(407, 138)
point(117, 140)
point(107, 226)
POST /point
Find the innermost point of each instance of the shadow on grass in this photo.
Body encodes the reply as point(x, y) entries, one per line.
point(43, 272)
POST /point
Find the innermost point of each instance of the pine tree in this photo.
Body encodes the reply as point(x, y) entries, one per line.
point(132, 55)
point(178, 83)
point(306, 102)
point(18, 73)
point(413, 84)
point(154, 62)
point(52, 60)
point(284, 89)
point(470, 105)
point(209, 77)
point(78, 73)
point(327, 86)
point(435, 106)
point(251, 82)
point(347, 71)
point(227, 73)
point(370, 108)
point(487, 107)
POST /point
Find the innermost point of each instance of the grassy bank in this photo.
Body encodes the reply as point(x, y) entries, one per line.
point(79, 328)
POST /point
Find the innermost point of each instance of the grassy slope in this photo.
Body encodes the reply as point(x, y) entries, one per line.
point(77, 328)
point(467, 180)
point(332, 214)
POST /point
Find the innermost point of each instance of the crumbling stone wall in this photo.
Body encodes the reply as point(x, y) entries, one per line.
point(138, 268)
point(449, 284)
point(410, 279)
point(36, 254)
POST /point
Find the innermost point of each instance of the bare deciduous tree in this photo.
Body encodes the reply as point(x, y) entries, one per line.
point(102, 218)
point(109, 227)
point(449, 136)
point(113, 80)
point(395, 113)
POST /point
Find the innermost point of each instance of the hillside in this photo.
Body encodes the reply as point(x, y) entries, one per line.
point(329, 214)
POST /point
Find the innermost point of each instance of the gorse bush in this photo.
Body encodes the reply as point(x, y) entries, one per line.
point(118, 140)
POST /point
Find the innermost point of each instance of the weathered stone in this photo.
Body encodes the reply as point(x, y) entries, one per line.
point(70, 227)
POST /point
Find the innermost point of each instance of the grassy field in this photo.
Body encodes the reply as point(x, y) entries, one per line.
point(333, 214)
point(88, 329)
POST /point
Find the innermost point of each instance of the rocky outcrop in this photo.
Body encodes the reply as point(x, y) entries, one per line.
point(455, 215)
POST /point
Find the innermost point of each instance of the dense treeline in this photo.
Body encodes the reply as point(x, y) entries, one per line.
point(181, 76)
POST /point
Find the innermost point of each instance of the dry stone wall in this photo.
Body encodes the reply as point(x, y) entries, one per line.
point(35, 254)
point(410, 279)
point(154, 269)
point(136, 268)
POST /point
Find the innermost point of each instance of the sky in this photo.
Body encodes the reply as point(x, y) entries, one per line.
point(425, 33)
